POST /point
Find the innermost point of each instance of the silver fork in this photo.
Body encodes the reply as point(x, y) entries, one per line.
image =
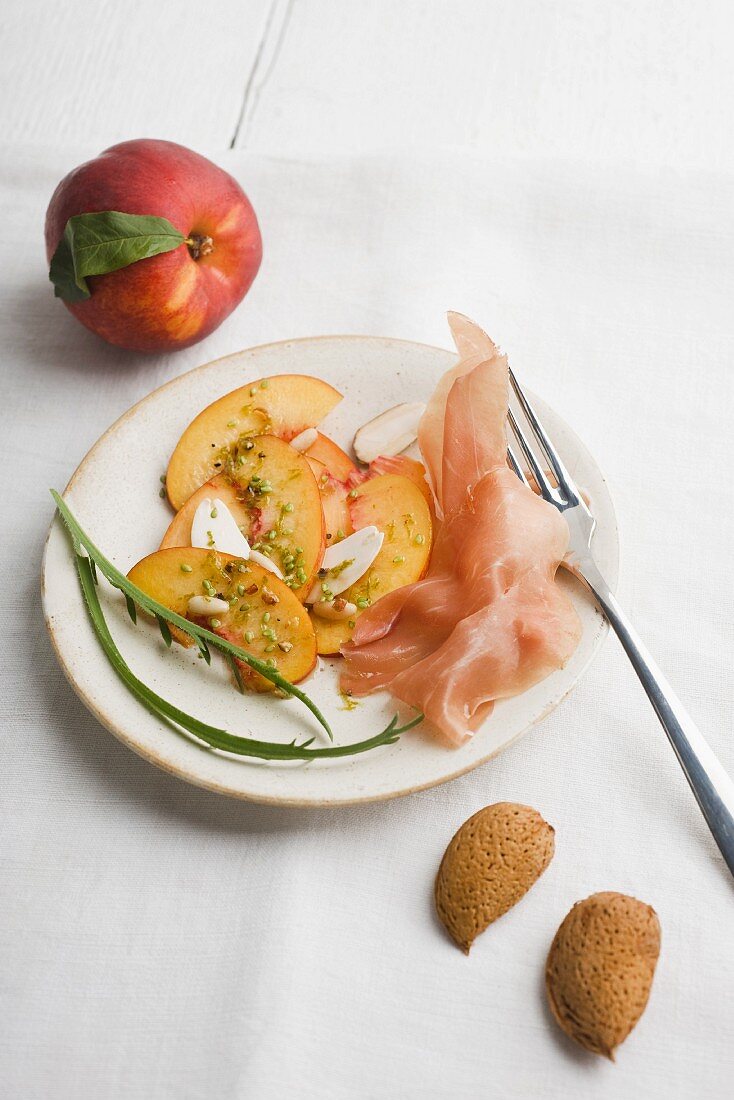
point(713, 788)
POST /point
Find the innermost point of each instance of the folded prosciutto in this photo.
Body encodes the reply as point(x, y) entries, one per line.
point(489, 619)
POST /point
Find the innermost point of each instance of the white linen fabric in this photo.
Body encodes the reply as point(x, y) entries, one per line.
point(157, 940)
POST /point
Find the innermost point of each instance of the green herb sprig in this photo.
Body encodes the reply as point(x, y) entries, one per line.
point(87, 565)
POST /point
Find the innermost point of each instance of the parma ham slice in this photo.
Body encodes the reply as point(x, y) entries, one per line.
point(489, 619)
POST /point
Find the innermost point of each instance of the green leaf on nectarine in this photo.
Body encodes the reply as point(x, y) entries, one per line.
point(95, 244)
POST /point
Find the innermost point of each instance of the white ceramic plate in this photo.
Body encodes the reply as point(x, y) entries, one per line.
point(114, 495)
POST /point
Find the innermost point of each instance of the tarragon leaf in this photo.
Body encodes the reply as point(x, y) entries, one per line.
point(86, 553)
point(165, 630)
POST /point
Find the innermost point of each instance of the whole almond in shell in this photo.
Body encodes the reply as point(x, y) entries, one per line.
point(600, 969)
point(490, 864)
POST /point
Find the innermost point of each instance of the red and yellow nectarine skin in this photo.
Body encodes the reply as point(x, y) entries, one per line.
point(172, 300)
point(336, 462)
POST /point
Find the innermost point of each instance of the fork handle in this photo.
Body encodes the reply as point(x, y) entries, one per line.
point(710, 783)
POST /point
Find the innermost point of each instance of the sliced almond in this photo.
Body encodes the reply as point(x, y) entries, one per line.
point(336, 609)
point(207, 605)
point(265, 562)
point(389, 433)
point(345, 562)
point(214, 528)
point(305, 439)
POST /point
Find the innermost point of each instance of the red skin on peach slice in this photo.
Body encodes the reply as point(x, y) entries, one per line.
point(172, 300)
point(335, 461)
point(334, 502)
point(407, 467)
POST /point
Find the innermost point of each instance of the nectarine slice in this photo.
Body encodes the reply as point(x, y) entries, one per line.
point(264, 616)
point(395, 505)
point(284, 405)
point(408, 467)
point(274, 497)
point(337, 518)
point(337, 521)
point(336, 462)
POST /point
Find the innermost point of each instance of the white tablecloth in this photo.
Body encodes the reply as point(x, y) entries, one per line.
point(161, 941)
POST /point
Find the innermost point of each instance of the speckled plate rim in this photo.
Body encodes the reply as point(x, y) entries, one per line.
point(120, 732)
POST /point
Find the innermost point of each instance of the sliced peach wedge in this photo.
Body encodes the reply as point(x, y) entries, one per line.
point(332, 467)
point(408, 467)
point(335, 461)
point(337, 517)
point(334, 493)
point(284, 405)
point(274, 498)
point(263, 616)
point(397, 506)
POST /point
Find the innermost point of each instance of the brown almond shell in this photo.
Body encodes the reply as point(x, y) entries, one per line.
point(600, 969)
point(490, 864)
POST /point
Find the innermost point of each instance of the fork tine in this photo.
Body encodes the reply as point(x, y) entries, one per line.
point(536, 469)
point(515, 465)
point(564, 479)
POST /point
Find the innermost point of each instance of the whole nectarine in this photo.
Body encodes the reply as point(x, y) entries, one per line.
point(173, 299)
